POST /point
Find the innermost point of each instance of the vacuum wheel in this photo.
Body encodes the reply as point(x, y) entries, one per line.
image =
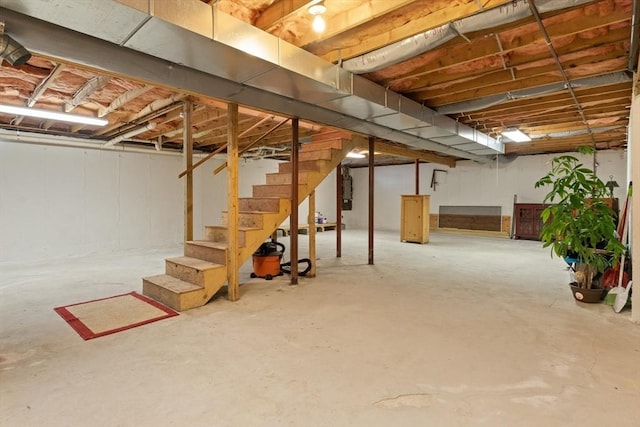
point(253, 275)
point(268, 277)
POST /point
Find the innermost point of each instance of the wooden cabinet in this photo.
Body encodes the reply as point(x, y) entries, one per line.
point(528, 221)
point(414, 219)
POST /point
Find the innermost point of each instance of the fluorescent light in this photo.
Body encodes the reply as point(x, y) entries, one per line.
point(516, 135)
point(52, 115)
point(355, 155)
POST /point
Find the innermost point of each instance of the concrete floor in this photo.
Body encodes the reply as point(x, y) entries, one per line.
point(463, 331)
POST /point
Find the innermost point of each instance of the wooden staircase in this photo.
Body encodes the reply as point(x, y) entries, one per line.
point(191, 280)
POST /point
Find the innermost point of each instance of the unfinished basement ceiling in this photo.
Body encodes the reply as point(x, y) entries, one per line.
point(483, 63)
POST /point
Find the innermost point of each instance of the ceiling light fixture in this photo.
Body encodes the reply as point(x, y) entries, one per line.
point(52, 115)
point(516, 135)
point(317, 9)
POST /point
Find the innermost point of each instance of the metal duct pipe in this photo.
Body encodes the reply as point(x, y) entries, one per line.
point(62, 141)
point(489, 101)
point(131, 133)
point(421, 43)
point(12, 51)
point(157, 49)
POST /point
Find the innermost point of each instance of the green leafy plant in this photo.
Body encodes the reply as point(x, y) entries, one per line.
point(579, 222)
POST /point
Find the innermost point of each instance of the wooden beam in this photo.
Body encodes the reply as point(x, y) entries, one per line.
point(487, 47)
point(444, 97)
point(188, 165)
point(412, 27)
point(480, 71)
point(232, 204)
point(351, 18)
point(279, 12)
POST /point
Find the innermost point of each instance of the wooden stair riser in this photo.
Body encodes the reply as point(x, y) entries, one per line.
point(177, 301)
point(219, 256)
point(247, 219)
point(307, 165)
point(321, 145)
point(331, 135)
point(217, 233)
point(326, 154)
point(262, 204)
point(283, 191)
point(204, 278)
point(285, 178)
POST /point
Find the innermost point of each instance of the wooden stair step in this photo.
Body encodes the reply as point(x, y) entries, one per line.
point(259, 204)
point(254, 219)
point(173, 292)
point(215, 252)
point(274, 190)
point(194, 270)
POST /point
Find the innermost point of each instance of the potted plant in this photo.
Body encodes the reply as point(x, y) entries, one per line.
point(579, 224)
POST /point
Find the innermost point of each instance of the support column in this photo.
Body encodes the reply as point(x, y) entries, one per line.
point(371, 167)
point(417, 177)
point(339, 211)
point(187, 141)
point(634, 223)
point(294, 202)
point(232, 203)
point(312, 233)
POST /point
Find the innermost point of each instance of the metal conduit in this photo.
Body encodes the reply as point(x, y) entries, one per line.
point(567, 82)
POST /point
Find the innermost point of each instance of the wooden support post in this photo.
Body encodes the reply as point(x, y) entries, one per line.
point(339, 211)
point(417, 177)
point(294, 201)
point(232, 203)
point(371, 167)
point(188, 165)
point(312, 233)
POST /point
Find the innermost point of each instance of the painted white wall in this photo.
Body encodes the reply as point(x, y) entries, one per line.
point(468, 184)
point(62, 201)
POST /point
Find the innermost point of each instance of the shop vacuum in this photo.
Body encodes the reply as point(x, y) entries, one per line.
point(267, 261)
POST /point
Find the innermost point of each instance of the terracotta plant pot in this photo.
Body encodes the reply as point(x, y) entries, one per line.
point(587, 295)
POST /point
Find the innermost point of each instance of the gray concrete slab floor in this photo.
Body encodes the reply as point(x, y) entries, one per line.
point(463, 331)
